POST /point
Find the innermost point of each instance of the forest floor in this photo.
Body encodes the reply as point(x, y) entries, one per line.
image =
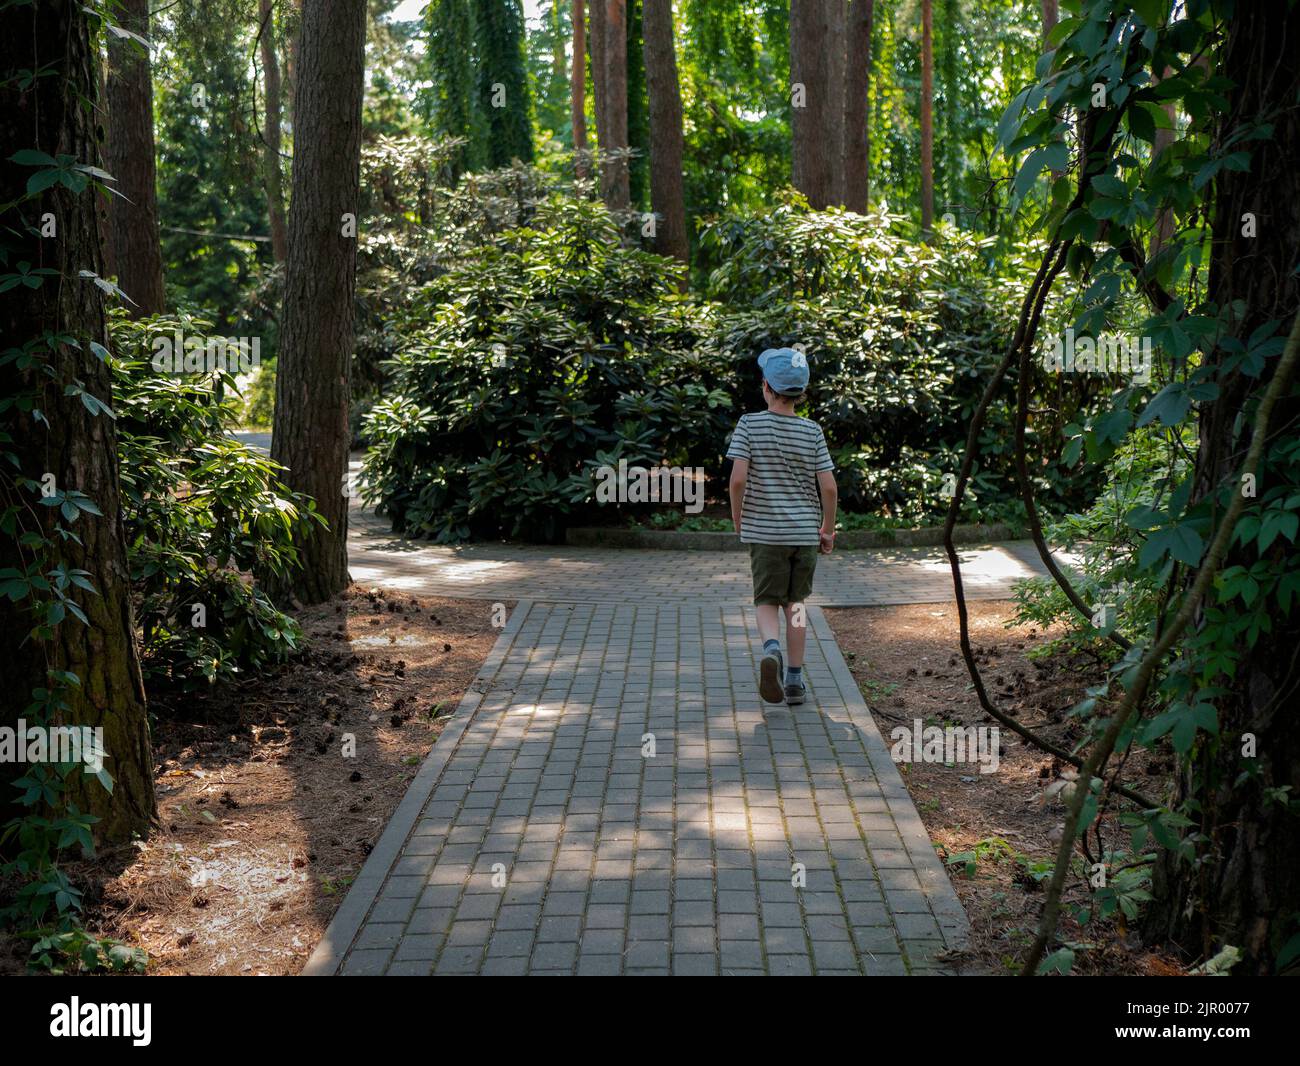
point(264, 818)
point(1004, 826)
point(265, 821)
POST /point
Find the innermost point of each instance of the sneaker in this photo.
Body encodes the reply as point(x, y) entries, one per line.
point(770, 672)
point(794, 693)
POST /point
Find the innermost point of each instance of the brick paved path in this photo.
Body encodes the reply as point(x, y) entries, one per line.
point(595, 575)
point(618, 861)
point(612, 797)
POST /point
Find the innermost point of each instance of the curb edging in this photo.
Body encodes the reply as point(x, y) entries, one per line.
point(329, 953)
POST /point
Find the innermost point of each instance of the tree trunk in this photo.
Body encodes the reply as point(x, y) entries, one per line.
point(836, 62)
point(615, 183)
point(312, 387)
point(1051, 13)
point(638, 111)
point(559, 68)
point(811, 101)
point(129, 154)
point(291, 55)
point(857, 137)
point(77, 447)
point(667, 196)
point(927, 117)
point(1245, 839)
point(271, 134)
point(578, 88)
point(596, 50)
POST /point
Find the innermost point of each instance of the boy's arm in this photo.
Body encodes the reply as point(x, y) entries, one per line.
point(739, 475)
point(830, 495)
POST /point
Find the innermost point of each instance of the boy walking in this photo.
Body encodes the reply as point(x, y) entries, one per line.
point(783, 498)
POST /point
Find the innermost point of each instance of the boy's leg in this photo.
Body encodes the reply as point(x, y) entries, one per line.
point(768, 591)
point(804, 564)
point(796, 635)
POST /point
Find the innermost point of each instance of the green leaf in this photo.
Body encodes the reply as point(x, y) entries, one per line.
point(1170, 405)
point(1028, 173)
point(1180, 541)
point(1059, 961)
point(30, 157)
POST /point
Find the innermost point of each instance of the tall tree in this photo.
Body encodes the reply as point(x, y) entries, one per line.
point(615, 185)
point(949, 170)
point(1051, 14)
point(137, 254)
point(271, 131)
point(638, 110)
point(837, 87)
point(312, 387)
point(667, 197)
point(596, 50)
point(856, 150)
point(502, 81)
point(453, 86)
point(812, 167)
point(65, 437)
point(927, 116)
point(1239, 883)
point(578, 86)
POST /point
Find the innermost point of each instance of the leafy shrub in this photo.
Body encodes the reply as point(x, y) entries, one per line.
point(1107, 539)
point(902, 338)
point(551, 352)
point(202, 512)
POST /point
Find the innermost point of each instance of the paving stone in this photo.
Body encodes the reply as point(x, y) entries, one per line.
point(414, 968)
point(622, 864)
point(511, 942)
point(504, 967)
point(554, 956)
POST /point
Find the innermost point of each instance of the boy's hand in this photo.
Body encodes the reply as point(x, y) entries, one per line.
point(827, 542)
point(736, 522)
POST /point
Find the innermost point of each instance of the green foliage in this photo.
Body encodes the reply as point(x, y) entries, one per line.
point(1140, 174)
point(473, 47)
point(1107, 540)
point(901, 338)
point(416, 225)
point(734, 70)
point(547, 61)
point(1153, 520)
point(552, 352)
point(258, 409)
point(202, 512)
point(209, 158)
point(499, 26)
point(42, 585)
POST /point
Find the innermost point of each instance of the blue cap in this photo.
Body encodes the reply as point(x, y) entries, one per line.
point(785, 369)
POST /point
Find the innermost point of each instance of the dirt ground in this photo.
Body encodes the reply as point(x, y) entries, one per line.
point(265, 816)
point(908, 665)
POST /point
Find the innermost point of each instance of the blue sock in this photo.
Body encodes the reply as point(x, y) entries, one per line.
point(794, 675)
point(771, 645)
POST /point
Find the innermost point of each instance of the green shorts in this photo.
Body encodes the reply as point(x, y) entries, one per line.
point(782, 575)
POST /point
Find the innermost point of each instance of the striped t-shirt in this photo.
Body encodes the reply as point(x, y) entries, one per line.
point(785, 452)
